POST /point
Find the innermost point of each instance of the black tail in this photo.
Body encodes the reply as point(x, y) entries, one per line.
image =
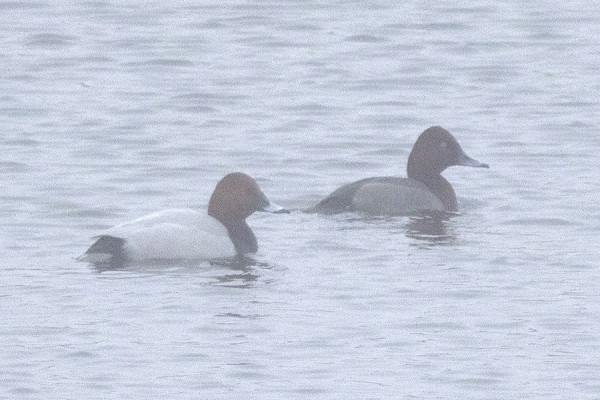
point(107, 250)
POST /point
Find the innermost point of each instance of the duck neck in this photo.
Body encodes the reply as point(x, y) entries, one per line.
point(439, 186)
point(242, 237)
point(239, 232)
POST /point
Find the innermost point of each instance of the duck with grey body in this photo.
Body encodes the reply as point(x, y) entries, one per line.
point(424, 189)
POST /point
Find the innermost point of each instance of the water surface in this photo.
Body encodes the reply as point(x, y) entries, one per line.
point(112, 110)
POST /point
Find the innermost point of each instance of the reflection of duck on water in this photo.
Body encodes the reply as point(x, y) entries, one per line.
point(431, 229)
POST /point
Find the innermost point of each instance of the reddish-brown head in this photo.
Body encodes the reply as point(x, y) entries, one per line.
point(434, 151)
point(236, 197)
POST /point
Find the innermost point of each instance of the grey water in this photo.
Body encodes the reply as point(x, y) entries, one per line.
point(111, 110)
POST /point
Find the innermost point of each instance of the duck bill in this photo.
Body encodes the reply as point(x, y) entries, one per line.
point(275, 209)
point(467, 161)
point(268, 206)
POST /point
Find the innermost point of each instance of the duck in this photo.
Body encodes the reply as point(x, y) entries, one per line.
point(425, 189)
point(221, 232)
